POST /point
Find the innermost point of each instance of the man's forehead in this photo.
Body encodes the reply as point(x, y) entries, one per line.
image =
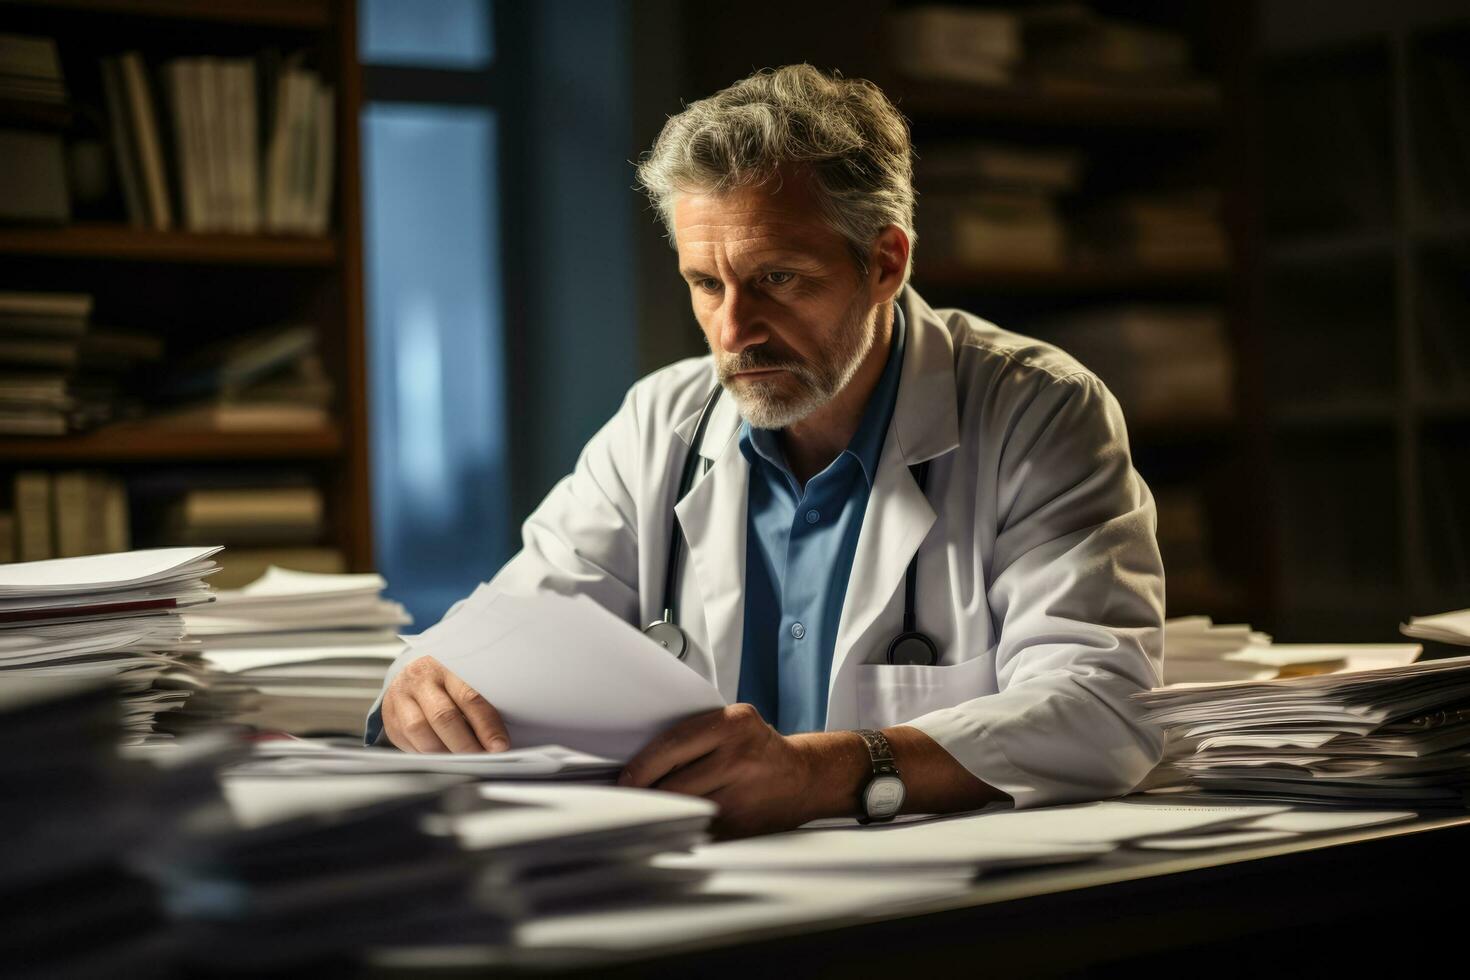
point(749, 218)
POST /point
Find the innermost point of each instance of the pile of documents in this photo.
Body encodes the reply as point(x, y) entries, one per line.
point(546, 847)
point(105, 616)
point(301, 869)
point(1393, 736)
point(75, 816)
point(1200, 651)
point(1450, 627)
point(525, 649)
point(287, 756)
point(298, 652)
point(308, 867)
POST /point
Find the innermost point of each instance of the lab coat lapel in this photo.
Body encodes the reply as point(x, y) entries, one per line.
point(925, 424)
point(712, 517)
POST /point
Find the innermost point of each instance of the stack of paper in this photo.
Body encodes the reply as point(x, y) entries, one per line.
point(114, 615)
point(1390, 736)
point(74, 816)
point(1450, 627)
point(566, 672)
point(306, 868)
point(1198, 651)
point(317, 757)
point(545, 847)
point(298, 652)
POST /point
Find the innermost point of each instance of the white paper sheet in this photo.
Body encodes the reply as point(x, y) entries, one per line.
point(95, 573)
point(566, 671)
point(732, 902)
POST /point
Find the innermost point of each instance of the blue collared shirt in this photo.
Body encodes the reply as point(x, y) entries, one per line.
point(799, 547)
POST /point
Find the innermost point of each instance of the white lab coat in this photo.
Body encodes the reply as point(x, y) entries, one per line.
point(1039, 575)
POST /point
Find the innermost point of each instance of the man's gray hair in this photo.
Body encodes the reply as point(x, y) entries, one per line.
point(843, 132)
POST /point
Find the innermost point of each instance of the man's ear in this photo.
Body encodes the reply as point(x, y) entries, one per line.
point(887, 262)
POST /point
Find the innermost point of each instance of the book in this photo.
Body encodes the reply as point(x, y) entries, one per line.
point(91, 514)
point(67, 305)
point(34, 188)
point(122, 144)
point(33, 516)
point(141, 114)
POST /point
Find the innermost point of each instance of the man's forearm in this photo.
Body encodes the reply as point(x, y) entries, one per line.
point(840, 767)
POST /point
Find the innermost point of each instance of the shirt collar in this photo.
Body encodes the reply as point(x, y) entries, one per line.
point(867, 441)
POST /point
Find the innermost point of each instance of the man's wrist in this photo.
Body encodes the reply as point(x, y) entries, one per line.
point(837, 768)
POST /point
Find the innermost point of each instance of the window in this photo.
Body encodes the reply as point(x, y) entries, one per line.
point(435, 311)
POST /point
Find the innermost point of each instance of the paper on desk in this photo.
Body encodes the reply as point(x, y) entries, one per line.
point(102, 573)
point(957, 844)
point(566, 672)
point(317, 757)
point(559, 812)
point(1207, 842)
point(1278, 826)
point(735, 902)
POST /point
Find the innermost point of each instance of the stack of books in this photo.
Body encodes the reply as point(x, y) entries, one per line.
point(1176, 230)
point(59, 373)
point(1165, 363)
point(991, 204)
point(298, 652)
point(222, 144)
point(266, 380)
point(32, 156)
point(1063, 48)
point(40, 337)
point(105, 616)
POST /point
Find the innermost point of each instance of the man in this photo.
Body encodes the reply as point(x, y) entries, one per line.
point(857, 431)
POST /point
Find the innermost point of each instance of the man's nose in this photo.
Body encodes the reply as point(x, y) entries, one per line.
point(741, 325)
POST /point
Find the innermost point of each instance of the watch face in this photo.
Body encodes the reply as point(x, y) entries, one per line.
point(883, 797)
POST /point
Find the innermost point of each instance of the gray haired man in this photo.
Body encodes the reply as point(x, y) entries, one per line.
point(920, 565)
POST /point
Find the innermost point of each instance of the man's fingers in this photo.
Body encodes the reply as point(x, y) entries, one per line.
point(481, 715)
point(416, 729)
point(679, 745)
point(447, 720)
point(701, 777)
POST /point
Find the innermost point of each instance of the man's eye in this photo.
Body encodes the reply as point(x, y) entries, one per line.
point(779, 278)
point(708, 285)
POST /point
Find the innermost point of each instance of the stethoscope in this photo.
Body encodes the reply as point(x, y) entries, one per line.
point(909, 647)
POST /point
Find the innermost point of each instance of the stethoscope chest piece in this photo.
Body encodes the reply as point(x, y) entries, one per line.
point(913, 648)
point(669, 636)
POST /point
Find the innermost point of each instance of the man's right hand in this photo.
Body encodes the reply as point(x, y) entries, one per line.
point(429, 709)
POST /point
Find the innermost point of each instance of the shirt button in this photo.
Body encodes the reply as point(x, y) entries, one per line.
point(798, 630)
point(813, 516)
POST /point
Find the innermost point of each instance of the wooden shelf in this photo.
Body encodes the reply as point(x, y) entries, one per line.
point(145, 441)
point(1328, 248)
point(304, 14)
point(1080, 279)
point(1100, 108)
point(1367, 412)
point(126, 243)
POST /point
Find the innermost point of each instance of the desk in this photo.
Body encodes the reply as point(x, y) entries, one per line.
point(1236, 910)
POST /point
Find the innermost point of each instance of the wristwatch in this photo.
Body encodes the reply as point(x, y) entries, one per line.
point(883, 795)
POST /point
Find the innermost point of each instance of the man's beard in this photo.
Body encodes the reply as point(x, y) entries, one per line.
point(768, 404)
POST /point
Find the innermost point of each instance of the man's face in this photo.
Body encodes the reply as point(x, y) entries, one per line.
point(781, 301)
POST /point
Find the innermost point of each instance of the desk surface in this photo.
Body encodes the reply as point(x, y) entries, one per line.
point(1126, 907)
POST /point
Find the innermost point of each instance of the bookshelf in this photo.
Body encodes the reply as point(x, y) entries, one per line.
point(1134, 138)
point(1368, 254)
point(192, 288)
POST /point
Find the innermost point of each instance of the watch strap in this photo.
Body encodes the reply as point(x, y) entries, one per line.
point(880, 753)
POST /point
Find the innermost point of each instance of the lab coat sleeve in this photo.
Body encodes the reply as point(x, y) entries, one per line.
point(581, 540)
point(1077, 595)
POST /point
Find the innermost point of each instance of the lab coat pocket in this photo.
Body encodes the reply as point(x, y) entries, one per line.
point(891, 694)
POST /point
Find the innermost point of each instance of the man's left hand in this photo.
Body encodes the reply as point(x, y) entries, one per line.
point(761, 779)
